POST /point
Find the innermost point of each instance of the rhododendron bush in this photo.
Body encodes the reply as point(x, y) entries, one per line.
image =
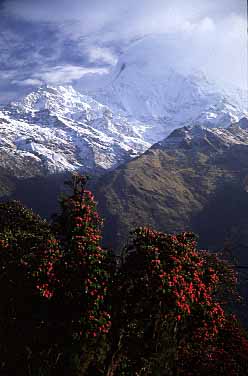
point(68, 306)
point(171, 300)
point(66, 277)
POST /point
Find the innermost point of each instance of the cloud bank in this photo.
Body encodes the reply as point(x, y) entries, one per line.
point(61, 40)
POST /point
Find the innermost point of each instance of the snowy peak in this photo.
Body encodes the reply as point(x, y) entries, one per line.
point(63, 101)
point(66, 103)
point(199, 137)
point(65, 130)
point(144, 98)
point(147, 85)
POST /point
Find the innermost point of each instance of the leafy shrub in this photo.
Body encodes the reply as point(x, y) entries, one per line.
point(68, 307)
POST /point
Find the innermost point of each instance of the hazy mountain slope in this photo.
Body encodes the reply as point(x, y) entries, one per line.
point(196, 180)
point(54, 130)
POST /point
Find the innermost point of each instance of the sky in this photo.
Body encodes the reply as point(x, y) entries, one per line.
point(61, 41)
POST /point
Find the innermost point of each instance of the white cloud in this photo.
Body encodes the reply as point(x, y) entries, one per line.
point(208, 33)
point(101, 55)
point(27, 82)
point(59, 75)
point(6, 75)
point(123, 18)
point(65, 74)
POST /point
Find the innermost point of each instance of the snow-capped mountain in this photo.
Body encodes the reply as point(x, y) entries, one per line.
point(143, 99)
point(149, 86)
point(63, 130)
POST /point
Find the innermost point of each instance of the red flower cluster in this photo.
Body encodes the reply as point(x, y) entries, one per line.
point(46, 276)
point(3, 244)
point(185, 285)
point(80, 258)
point(85, 243)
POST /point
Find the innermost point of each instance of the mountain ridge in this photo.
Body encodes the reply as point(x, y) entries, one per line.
point(147, 85)
point(175, 187)
point(67, 131)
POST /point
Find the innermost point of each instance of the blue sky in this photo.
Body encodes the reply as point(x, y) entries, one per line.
point(60, 41)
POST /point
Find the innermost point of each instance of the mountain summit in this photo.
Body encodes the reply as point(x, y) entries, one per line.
point(61, 129)
point(147, 95)
point(147, 84)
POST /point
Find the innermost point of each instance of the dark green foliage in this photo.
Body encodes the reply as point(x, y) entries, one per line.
point(69, 308)
point(23, 332)
point(169, 304)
